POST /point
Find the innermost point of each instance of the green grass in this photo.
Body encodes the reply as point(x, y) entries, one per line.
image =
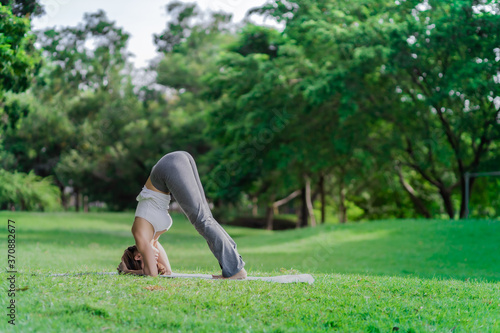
point(416, 275)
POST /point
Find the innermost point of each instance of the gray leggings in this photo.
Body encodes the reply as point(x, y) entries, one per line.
point(176, 172)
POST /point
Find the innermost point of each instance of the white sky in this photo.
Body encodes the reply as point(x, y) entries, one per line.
point(141, 19)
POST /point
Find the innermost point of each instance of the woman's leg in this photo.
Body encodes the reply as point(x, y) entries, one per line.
point(183, 181)
point(197, 178)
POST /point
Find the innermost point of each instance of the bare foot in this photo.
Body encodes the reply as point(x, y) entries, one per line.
point(241, 275)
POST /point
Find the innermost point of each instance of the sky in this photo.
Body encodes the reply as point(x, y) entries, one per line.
point(140, 19)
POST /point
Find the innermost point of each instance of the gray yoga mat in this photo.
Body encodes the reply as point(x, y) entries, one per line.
point(300, 278)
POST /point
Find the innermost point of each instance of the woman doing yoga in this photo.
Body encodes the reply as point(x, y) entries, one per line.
point(176, 174)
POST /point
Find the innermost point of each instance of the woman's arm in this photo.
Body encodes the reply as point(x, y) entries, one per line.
point(148, 256)
point(162, 257)
point(143, 233)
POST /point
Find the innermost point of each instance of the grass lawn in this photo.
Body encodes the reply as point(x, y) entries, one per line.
point(381, 276)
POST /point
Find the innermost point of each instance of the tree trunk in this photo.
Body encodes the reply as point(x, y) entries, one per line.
point(342, 206)
point(64, 198)
point(302, 218)
point(448, 204)
point(417, 203)
point(322, 197)
point(309, 204)
point(287, 199)
point(255, 207)
point(77, 199)
point(86, 203)
point(270, 213)
point(269, 217)
point(462, 188)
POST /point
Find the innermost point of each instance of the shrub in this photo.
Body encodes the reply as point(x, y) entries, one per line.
point(28, 191)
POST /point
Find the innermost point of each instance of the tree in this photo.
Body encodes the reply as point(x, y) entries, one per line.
point(425, 72)
point(446, 72)
point(18, 58)
point(191, 44)
point(27, 192)
point(306, 72)
point(25, 8)
point(86, 100)
point(82, 58)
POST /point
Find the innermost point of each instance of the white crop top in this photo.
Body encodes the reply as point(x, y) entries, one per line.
point(153, 207)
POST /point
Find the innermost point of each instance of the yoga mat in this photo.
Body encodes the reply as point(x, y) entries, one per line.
point(300, 278)
point(280, 279)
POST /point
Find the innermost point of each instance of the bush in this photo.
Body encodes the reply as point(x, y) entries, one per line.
point(28, 191)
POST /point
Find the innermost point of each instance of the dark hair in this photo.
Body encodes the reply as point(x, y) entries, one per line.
point(128, 258)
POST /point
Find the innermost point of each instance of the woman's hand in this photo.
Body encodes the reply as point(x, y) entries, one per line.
point(122, 269)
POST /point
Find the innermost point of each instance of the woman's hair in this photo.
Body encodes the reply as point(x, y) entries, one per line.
point(128, 258)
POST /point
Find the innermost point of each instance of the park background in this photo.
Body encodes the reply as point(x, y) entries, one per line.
point(355, 123)
point(360, 110)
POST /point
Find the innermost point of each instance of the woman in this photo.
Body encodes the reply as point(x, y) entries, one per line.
point(176, 173)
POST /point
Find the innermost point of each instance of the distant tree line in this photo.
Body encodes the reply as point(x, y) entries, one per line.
point(355, 110)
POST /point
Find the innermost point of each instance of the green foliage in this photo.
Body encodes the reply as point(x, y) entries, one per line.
point(39, 138)
point(482, 203)
point(406, 77)
point(259, 40)
point(91, 68)
point(28, 192)
point(187, 27)
point(387, 104)
point(178, 29)
point(14, 109)
point(24, 8)
point(77, 134)
point(192, 53)
point(18, 57)
point(441, 72)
